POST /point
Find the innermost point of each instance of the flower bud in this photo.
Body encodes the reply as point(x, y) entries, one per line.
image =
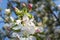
point(17, 11)
point(30, 6)
point(23, 4)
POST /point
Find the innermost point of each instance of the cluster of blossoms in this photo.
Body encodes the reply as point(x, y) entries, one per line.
point(22, 28)
point(33, 21)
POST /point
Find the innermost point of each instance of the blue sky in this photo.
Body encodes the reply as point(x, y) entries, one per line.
point(3, 6)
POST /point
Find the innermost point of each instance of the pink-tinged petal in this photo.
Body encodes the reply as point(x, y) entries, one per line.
point(23, 4)
point(30, 5)
point(37, 30)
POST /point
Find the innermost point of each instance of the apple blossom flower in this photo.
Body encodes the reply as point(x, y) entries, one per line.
point(14, 34)
point(28, 38)
point(7, 11)
point(31, 38)
point(18, 22)
point(31, 20)
point(39, 29)
point(25, 18)
point(16, 28)
point(22, 38)
point(29, 25)
point(28, 29)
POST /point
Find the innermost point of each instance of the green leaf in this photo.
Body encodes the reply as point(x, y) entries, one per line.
point(24, 10)
point(29, 15)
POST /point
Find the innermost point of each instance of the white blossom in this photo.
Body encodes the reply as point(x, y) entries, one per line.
point(7, 11)
point(18, 22)
point(14, 34)
point(23, 38)
point(31, 38)
point(39, 29)
point(28, 29)
point(31, 20)
point(29, 25)
point(17, 34)
point(28, 38)
point(25, 18)
point(32, 24)
point(16, 28)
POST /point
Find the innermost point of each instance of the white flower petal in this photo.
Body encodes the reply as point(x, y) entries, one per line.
point(31, 19)
point(18, 21)
point(31, 38)
point(23, 38)
point(14, 34)
point(7, 11)
point(12, 19)
point(16, 28)
point(25, 18)
point(39, 29)
point(30, 30)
